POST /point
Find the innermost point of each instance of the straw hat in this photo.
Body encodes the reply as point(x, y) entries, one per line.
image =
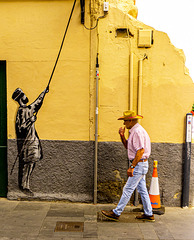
point(130, 115)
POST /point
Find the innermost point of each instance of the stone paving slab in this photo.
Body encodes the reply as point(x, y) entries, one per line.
point(22, 220)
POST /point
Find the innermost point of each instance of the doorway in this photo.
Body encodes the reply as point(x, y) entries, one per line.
point(3, 131)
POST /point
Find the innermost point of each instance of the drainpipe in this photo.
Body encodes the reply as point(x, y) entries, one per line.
point(131, 82)
point(139, 87)
point(96, 135)
point(140, 78)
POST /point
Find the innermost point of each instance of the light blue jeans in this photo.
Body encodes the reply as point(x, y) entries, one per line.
point(137, 181)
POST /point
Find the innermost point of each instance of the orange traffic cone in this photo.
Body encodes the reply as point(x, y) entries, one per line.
point(154, 188)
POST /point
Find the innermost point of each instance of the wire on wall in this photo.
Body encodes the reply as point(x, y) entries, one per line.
point(96, 23)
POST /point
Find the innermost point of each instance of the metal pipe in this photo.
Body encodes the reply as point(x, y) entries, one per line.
point(131, 82)
point(140, 84)
point(136, 201)
point(139, 100)
point(139, 107)
point(131, 107)
point(96, 135)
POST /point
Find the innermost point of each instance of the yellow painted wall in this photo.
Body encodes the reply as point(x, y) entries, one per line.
point(31, 36)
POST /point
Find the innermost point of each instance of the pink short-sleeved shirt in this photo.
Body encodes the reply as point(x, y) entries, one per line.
point(138, 139)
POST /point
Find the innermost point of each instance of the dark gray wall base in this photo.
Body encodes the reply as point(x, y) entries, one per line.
point(66, 172)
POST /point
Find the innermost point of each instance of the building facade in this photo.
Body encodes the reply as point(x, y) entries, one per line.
point(139, 68)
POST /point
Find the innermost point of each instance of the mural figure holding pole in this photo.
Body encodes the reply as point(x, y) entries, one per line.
point(28, 142)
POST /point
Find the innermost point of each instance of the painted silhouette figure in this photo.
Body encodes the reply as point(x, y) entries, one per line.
point(28, 142)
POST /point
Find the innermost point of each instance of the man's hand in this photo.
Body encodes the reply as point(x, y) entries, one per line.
point(122, 135)
point(122, 131)
point(130, 172)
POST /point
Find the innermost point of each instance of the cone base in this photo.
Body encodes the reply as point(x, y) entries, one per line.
point(155, 201)
point(159, 211)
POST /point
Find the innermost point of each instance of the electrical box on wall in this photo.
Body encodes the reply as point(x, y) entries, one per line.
point(106, 6)
point(145, 38)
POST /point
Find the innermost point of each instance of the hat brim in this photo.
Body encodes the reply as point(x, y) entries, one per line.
point(130, 118)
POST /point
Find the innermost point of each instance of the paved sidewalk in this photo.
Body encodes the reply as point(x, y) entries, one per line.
point(71, 221)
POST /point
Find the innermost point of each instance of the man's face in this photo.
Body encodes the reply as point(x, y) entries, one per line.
point(128, 124)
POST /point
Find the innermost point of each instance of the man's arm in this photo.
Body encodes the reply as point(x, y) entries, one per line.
point(122, 135)
point(137, 158)
point(36, 105)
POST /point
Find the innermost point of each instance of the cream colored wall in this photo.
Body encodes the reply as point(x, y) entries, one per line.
point(32, 32)
point(168, 91)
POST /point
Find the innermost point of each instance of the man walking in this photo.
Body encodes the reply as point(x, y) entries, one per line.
point(139, 148)
point(28, 143)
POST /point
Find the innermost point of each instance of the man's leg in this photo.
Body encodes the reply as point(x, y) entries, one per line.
point(128, 189)
point(142, 189)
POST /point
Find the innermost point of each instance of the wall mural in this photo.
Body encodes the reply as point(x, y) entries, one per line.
point(28, 142)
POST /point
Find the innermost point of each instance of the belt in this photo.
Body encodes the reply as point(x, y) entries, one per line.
point(141, 160)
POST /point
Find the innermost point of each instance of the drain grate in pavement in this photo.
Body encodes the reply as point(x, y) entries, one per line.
point(69, 227)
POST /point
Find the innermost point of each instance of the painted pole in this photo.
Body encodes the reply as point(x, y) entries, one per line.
point(187, 161)
point(96, 136)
